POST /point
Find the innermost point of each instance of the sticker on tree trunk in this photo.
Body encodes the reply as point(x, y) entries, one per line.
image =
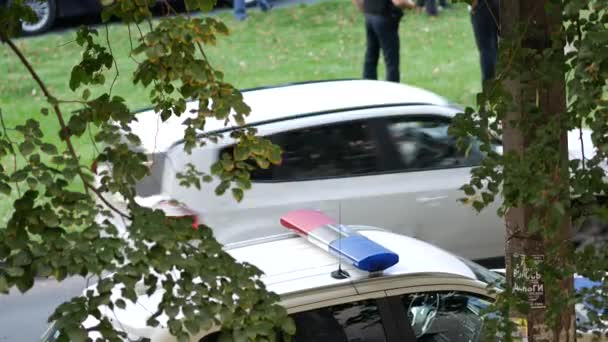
point(521, 330)
point(527, 279)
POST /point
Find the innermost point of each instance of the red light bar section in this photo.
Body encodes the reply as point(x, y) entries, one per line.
point(305, 221)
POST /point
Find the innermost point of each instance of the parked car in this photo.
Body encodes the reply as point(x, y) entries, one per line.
point(390, 287)
point(48, 11)
point(370, 152)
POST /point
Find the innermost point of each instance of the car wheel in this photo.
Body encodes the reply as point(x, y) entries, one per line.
point(46, 12)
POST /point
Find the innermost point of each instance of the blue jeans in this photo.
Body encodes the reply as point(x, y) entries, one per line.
point(382, 34)
point(486, 19)
point(240, 12)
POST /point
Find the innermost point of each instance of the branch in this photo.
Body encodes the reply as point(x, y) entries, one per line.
point(113, 58)
point(59, 115)
point(14, 154)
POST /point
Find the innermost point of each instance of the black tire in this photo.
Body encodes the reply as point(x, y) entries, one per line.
point(47, 11)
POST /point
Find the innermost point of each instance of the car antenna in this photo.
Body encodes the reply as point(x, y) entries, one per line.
point(340, 273)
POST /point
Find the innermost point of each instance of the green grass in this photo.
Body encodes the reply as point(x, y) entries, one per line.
point(322, 41)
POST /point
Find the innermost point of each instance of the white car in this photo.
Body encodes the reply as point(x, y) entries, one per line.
point(370, 152)
point(413, 289)
point(347, 283)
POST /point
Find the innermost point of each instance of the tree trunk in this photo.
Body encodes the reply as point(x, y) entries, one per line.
point(534, 25)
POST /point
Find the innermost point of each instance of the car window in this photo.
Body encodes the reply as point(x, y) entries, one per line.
point(351, 322)
point(335, 150)
point(445, 316)
point(424, 143)
point(358, 321)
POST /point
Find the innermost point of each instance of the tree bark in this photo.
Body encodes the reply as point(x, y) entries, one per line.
point(534, 25)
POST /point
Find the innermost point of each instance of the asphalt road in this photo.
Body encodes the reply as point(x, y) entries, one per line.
point(23, 317)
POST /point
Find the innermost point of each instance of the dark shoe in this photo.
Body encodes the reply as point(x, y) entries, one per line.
point(266, 8)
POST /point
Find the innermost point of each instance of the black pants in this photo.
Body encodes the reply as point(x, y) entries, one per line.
point(485, 19)
point(382, 34)
point(431, 5)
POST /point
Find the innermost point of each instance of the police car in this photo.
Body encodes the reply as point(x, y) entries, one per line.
point(350, 283)
point(371, 152)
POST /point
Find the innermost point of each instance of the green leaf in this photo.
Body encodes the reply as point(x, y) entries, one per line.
point(22, 258)
point(152, 322)
point(237, 193)
point(241, 152)
point(289, 326)
point(3, 285)
point(50, 218)
point(77, 334)
point(120, 303)
point(5, 188)
point(77, 77)
point(227, 164)
point(26, 148)
point(172, 311)
point(478, 206)
point(14, 271)
point(275, 156)
point(192, 326)
point(32, 183)
point(24, 284)
point(468, 190)
point(48, 149)
point(86, 94)
point(19, 176)
point(174, 326)
point(44, 111)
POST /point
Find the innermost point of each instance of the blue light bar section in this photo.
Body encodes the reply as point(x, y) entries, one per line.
point(364, 253)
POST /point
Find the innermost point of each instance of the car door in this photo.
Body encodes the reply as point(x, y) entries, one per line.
point(427, 176)
point(441, 315)
point(364, 320)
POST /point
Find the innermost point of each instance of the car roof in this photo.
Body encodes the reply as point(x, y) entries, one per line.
point(288, 101)
point(292, 264)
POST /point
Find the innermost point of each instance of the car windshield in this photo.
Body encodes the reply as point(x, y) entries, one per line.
point(485, 275)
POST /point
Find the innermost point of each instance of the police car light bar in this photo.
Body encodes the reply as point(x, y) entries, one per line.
point(339, 240)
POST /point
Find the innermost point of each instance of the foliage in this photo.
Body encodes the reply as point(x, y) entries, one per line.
point(534, 179)
point(59, 231)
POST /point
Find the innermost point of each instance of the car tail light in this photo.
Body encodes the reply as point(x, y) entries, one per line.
point(174, 210)
point(94, 166)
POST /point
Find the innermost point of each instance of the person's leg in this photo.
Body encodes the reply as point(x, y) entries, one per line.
point(372, 50)
point(239, 9)
point(486, 37)
point(431, 7)
point(264, 5)
point(389, 41)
